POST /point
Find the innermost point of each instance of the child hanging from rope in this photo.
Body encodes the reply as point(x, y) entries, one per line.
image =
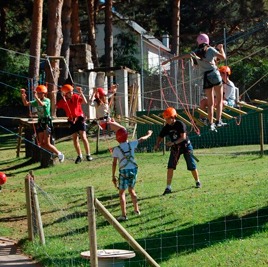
point(128, 168)
point(72, 105)
point(44, 126)
point(101, 104)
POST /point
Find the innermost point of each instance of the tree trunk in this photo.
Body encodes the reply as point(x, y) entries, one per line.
point(36, 36)
point(75, 32)
point(92, 10)
point(55, 39)
point(175, 43)
point(65, 49)
point(109, 34)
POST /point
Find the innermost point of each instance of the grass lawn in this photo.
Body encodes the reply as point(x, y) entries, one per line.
point(225, 223)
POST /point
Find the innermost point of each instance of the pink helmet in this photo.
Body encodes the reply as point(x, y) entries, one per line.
point(202, 39)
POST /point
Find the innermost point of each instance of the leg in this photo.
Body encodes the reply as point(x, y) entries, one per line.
point(134, 199)
point(83, 137)
point(115, 126)
point(123, 204)
point(210, 98)
point(219, 100)
point(76, 144)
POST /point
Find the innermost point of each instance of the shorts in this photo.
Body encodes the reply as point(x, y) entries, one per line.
point(44, 125)
point(175, 153)
point(212, 78)
point(127, 178)
point(77, 125)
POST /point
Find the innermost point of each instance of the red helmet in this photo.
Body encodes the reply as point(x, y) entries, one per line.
point(101, 92)
point(169, 112)
point(202, 39)
point(121, 135)
point(3, 178)
point(225, 69)
point(41, 89)
point(66, 88)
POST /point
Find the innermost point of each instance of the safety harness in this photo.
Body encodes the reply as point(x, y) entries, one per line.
point(129, 158)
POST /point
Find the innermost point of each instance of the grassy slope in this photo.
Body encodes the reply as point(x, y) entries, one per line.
point(234, 191)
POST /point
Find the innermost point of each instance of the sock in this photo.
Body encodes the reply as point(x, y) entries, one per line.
point(169, 186)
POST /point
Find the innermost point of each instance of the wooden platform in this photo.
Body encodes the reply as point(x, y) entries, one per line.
point(26, 128)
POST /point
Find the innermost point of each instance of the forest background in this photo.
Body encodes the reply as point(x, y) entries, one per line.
point(244, 24)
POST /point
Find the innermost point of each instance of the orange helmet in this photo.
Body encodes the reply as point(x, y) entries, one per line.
point(3, 178)
point(100, 92)
point(121, 135)
point(41, 89)
point(169, 112)
point(66, 88)
point(225, 69)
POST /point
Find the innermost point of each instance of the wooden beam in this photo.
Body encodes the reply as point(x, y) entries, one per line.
point(257, 101)
point(225, 115)
point(142, 120)
point(152, 120)
point(159, 118)
point(244, 104)
point(239, 111)
point(184, 120)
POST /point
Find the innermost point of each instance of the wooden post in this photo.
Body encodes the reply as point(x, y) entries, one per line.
point(38, 216)
point(92, 227)
point(261, 133)
point(19, 139)
point(121, 230)
point(29, 206)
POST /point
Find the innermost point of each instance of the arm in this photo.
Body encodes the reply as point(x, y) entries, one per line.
point(178, 141)
point(158, 142)
point(221, 54)
point(23, 97)
point(84, 100)
point(189, 55)
point(114, 164)
point(145, 137)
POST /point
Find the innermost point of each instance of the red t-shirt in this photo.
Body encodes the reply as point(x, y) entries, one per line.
point(72, 107)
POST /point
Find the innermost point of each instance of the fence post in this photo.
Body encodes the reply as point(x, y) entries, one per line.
point(29, 206)
point(261, 132)
point(92, 227)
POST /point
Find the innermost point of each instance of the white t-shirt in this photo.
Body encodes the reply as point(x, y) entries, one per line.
point(229, 90)
point(125, 147)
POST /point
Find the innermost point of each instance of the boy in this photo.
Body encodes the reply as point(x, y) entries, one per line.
point(128, 168)
point(72, 105)
point(180, 144)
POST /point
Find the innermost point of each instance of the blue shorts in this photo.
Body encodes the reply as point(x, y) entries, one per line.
point(175, 153)
point(127, 178)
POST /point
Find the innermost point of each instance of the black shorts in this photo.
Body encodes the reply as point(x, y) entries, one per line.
point(77, 125)
point(212, 78)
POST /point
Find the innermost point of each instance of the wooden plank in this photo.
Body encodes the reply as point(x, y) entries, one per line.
point(159, 118)
point(184, 120)
point(152, 120)
point(203, 113)
point(257, 101)
point(142, 120)
point(225, 115)
point(239, 111)
point(244, 104)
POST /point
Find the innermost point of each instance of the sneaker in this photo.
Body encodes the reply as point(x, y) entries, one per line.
point(78, 160)
point(221, 124)
point(89, 158)
point(167, 191)
point(212, 127)
point(197, 185)
point(137, 212)
point(204, 121)
point(122, 218)
point(61, 157)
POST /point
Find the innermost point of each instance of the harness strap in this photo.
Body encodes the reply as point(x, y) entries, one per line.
point(129, 158)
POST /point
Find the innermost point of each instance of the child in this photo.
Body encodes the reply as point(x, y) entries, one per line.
point(229, 89)
point(72, 105)
point(180, 144)
point(206, 58)
point(128, 168)
point(102, 108)
point(44, 125)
